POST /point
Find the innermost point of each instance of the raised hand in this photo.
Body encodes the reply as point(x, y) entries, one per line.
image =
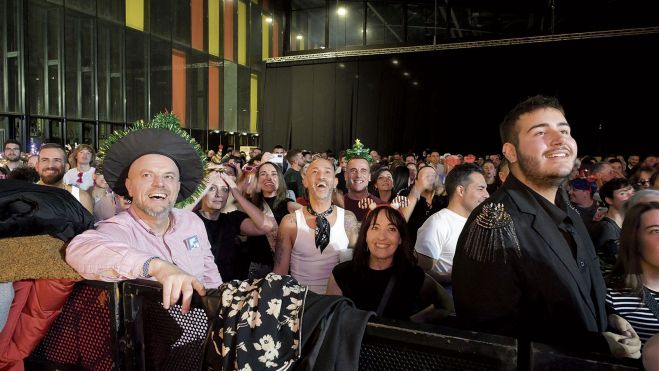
point(366, 203)
point(399, 201)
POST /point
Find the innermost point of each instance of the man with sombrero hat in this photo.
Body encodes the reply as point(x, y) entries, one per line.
point(155, 164)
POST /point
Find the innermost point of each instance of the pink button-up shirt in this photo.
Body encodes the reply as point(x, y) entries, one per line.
point(118, 248)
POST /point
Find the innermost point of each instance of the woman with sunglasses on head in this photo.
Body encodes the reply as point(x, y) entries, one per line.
point(267, 191)
point(633, 286)
point(383, 275)
point(82, 174)
point(223, 228)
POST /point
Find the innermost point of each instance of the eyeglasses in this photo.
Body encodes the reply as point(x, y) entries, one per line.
point(643, 181)
point(80, 174)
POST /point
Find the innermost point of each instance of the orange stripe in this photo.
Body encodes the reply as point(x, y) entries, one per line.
point(228, 30)
point(178, 85)
point(197, 23)
point(275, 38)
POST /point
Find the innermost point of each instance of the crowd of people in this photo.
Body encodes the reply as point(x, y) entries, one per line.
point(534, 243)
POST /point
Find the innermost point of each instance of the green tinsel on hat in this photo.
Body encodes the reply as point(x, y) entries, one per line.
point(162, 135)
point(358, 151)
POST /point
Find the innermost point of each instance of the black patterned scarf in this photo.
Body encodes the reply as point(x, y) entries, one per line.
point(322, 227)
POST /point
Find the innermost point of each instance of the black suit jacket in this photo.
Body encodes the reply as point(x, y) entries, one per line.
point(544, 292)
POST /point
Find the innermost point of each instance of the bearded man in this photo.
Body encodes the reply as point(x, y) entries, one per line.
point(525, 265)
point(156, 165)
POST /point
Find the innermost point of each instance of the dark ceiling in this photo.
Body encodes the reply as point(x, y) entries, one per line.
point(461, 20)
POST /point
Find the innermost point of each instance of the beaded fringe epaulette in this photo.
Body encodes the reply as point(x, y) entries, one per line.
point(491, 234)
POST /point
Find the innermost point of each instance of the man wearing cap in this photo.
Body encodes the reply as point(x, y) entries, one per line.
point(152, 239)
point(581, 193)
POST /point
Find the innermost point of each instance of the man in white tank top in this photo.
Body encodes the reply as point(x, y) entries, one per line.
point(311, 241)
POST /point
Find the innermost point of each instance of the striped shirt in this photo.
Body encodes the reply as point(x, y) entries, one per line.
point(633, 309)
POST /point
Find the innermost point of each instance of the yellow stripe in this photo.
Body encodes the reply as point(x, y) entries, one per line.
point(135, 14)
point(265, 38)
point(253, 102)
point(214, 27)
point(242, 33)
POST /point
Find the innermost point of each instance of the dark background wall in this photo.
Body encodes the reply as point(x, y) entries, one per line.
point(453, 100)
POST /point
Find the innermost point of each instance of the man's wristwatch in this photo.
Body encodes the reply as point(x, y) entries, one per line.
point(145, 267)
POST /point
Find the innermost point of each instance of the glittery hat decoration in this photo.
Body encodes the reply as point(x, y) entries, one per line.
point(358, 151)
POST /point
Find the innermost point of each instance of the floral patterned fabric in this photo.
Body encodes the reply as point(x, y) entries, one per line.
point(259, 324)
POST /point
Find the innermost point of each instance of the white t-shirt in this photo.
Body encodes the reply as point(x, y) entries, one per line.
point(438, 237)
point(71, 177)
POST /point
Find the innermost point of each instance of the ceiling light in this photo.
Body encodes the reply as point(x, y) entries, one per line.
point(268, 19)
point(299, 37)
point(341, 11)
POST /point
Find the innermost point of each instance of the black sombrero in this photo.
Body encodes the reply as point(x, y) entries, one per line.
point(163, 136)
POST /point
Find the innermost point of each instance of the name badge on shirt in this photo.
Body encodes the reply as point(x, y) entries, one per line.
point(192, 243)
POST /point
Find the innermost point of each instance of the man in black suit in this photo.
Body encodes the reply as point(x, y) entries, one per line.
point(525, 265)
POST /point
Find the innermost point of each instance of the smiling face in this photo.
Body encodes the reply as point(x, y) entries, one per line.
point(382, 239)
point(153, 183)
point(546, 150)
point(475, 192)
point(268, 180)
point(358, 174)
point(319, 180)
point(51, 165)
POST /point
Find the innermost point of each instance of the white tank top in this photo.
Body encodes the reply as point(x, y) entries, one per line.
point(310, 267)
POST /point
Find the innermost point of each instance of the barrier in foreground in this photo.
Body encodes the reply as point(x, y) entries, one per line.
point(123, 326)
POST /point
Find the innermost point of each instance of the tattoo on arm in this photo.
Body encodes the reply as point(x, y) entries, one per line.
point(352, 227)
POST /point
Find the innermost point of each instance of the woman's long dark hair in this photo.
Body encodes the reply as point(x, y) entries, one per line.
point(403, 257)
point(401, 176)
point(627, 275)
point(280, 196)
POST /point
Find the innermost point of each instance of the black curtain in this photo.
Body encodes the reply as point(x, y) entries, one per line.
point(453, 100)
